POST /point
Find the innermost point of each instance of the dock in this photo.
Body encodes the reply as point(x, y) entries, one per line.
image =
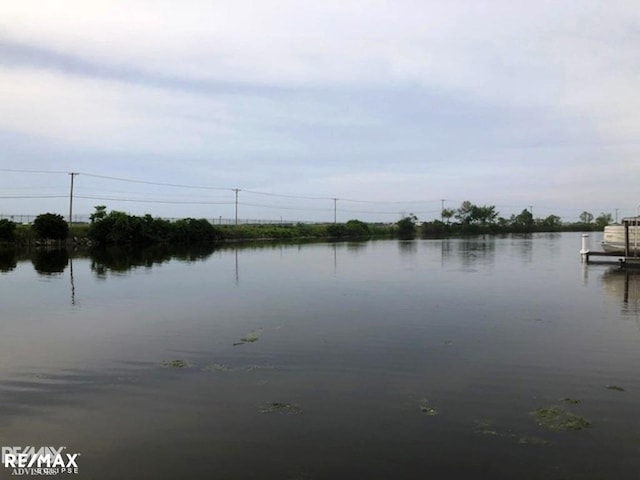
point(607, 258)
point(630, 258)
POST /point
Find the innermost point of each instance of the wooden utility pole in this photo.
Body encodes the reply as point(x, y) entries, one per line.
point(236, 190)
point(73, 174)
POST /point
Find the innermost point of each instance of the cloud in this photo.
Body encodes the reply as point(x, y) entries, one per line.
point(498, 100)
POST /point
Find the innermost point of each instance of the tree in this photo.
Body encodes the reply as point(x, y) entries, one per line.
point(447, 213)
point(7, 229)
point(464, 213)
point(50, 226)
point(357, 228)
point(552, 222)
point(524, 221)
point(483, 215)
point(586, 217)
point(604, 219)
point(407, 226)
point(99, 214)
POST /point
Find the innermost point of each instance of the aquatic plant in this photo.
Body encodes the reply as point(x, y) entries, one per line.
point(615, 387)
point(175, 364)
point(280, 407)
point(558, 419)
point(250, 337)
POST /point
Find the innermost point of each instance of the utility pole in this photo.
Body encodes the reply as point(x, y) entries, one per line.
point(531, 210)
point(73, 174)
point(616, 215)
point(335, 217)
point(442, 210)
point(236, 190)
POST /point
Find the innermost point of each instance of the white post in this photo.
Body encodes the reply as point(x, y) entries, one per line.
point(585, 245)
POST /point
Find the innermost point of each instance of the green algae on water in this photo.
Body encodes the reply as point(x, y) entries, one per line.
point(280, 407)
point(250, 337)
point(558, 419)
point(175, 364)
point(615, 387)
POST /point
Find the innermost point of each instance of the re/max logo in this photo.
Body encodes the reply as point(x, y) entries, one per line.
point(29, 457)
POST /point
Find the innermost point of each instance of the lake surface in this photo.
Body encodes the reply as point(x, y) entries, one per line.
point(377, 360)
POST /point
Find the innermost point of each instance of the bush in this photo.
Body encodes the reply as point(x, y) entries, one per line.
point(7, 230)
point(50, 226)
point(407, 226)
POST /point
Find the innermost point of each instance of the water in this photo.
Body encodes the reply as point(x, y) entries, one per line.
point(383, 359)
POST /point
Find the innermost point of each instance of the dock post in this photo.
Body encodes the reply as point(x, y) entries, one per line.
point(584, 251)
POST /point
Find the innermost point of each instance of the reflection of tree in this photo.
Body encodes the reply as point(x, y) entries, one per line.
point(118, 259)
point(48, 262)
point(8, 260)
point(408, 247)
point(356, 246)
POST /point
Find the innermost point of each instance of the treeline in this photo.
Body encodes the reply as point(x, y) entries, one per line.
point(471, 219)
point(119, 228)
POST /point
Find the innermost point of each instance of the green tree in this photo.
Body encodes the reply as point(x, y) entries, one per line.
point(447, 213)
point(586, 217)
point(604, 219)
point(99, 214)
point(551, 223)
point(486, 214)
point(465, 212)
point(7, 229)
point(50, 226)
point(524, 221)
point(407, 226)
point(357, 228)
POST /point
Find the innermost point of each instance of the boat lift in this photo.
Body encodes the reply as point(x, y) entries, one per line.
point(631, 255)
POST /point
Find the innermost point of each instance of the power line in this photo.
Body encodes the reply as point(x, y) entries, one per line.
point(16, 170)
point(120, 199)
point(177, 185)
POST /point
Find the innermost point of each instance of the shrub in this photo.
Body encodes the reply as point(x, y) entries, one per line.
point(50, 226)
point(7, 229)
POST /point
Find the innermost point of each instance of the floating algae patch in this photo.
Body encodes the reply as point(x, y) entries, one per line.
point(427, 409)
point(250, 337)
point(558, 419)
point(615, 387)
point(175, 364)
point(279, 407)
point(572, 401)
point(218, 367)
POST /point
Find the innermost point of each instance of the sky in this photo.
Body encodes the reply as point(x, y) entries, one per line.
point(359, 109)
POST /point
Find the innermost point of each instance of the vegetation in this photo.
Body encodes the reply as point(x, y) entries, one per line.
point(558, 419)
point(7, 230)
point(407, 226)
point(473, 219)
point(50, 226)
point(119, 228)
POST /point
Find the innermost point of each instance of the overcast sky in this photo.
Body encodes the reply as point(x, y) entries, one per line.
point(388, 106)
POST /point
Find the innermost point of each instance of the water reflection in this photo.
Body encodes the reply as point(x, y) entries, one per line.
point(117, 260)
point(408, 247)
point(469, 251)
point(624, 285)
point(50, 262)
point(525, 247)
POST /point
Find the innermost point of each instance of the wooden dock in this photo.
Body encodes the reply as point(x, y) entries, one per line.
point(607, 258)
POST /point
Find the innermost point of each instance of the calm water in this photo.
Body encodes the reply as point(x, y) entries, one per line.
point(377, 360)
